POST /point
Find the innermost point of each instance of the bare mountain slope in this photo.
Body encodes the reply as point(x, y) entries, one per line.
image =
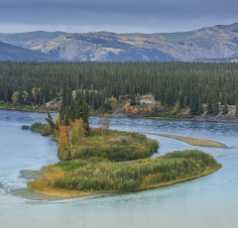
point(12, 53)
point(207, 44)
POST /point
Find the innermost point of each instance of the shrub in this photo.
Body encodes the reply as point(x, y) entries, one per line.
point(43, 129)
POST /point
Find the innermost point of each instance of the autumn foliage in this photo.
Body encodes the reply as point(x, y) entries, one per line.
point(77, 131)
point(63, 140)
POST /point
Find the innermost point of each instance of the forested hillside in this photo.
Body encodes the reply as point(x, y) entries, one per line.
point(182, 84)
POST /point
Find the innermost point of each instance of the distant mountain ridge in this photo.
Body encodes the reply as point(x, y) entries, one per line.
point(12, 53)
point(216, 43)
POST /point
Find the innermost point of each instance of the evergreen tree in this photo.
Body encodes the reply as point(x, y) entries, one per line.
point(209, 109)
point(74, 109)
point(225, 109)
point(169, 83)
point(215, 109)
point(196, 106)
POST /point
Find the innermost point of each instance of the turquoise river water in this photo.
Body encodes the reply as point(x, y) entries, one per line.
point(208, 202)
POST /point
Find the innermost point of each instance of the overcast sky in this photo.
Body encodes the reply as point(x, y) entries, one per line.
point(115, 15)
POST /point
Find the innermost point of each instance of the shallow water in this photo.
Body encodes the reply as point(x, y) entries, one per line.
point(204, 203)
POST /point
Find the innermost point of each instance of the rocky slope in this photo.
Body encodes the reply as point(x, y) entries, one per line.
point(218, 43)
point(12, 53)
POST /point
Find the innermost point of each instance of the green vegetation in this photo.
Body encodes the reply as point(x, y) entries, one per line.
point(102, 85)
point(172, 113)
point(20, 107)
point(95, 161)
point(195, 141)
point(76, 140)
point(103, 143)
point(74, 108)
point(43, 129)
point(113, 145)
point(96, 175)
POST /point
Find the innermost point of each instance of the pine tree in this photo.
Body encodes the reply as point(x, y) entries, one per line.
point(74, 109)
point(215, 109)
point(225, 109)
point(209, 109)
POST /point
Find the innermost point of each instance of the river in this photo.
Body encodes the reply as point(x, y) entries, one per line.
point(204, 203)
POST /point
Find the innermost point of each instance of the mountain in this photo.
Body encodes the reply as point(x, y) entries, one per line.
point(218, 43)
point(12, 53)
point(101, 46)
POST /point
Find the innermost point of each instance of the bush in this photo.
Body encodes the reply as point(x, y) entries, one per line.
point(43, 129)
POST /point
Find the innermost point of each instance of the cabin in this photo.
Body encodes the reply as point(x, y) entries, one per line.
point(147, 100)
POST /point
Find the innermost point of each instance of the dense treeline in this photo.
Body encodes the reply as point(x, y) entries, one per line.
point(186, 84)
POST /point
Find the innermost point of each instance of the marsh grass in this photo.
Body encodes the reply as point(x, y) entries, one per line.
point(19, 107)
point(107, 161)
point(112, 145)
point(98, 175)
point(109, 144)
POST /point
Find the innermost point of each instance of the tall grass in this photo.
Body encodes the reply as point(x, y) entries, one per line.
point(43, 129)
point(113, 161)
point(112, 145)
point(102, 175)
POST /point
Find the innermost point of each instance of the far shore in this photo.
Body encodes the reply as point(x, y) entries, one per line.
point(25, 109)
point(211, 119)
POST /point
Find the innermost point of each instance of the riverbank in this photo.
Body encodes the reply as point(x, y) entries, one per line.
point(163, 116)
point(212, 119)
point(37, 109)
point(24, 108)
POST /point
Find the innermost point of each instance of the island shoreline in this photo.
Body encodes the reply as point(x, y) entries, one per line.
point(150, 173)
point(56, 193)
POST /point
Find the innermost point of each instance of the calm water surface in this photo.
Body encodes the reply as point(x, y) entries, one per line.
point(204, 203)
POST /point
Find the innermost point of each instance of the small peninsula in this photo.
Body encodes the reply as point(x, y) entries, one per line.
point(102, 161)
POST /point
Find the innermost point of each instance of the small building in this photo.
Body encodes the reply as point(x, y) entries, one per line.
point(147, 100)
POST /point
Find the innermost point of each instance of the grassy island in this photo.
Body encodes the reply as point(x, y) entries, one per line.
point(95, 176)
point(102, 161)
point(101, 143)
point(108, 161)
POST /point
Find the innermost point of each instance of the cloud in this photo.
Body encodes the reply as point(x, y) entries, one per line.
point(123, 15)
point(155, 7)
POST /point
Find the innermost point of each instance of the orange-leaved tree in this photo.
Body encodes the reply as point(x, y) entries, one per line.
point(77, 131)
point(63, 142)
